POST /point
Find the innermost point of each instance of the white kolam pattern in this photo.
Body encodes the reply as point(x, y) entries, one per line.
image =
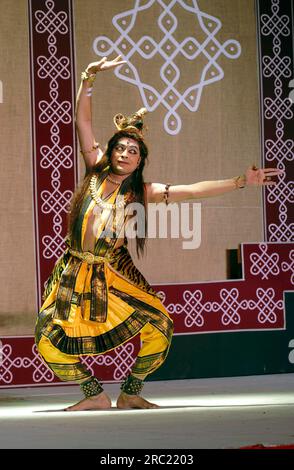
point(38, 370)
point(53, 68)
point(264, 263)
point(231, 308)
point(168, 48)
point(288, 266)
point(277, 69)
point(120, 363)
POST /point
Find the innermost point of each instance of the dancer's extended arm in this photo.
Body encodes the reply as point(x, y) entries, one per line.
point(157, 192)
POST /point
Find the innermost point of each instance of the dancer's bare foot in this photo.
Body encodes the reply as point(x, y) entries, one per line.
point(98, 402)
point(126, 401)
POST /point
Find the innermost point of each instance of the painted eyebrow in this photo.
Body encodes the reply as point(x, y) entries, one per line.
point(130, 146)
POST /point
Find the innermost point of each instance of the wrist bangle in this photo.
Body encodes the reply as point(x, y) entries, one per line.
point(95, 147)
point(166, 193)
point(238, 183)
point(90, 77)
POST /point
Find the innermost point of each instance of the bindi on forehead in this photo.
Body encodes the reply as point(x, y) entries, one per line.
point(129, 143)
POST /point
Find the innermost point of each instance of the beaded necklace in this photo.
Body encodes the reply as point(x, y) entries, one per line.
point(98, 200)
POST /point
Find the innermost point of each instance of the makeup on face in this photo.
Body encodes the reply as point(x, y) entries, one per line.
point(130, 146)
point(125, 156)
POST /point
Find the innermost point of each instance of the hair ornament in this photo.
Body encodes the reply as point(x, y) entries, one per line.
point(133, 123)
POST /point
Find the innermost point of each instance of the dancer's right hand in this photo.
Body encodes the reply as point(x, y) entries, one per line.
point(104, 64)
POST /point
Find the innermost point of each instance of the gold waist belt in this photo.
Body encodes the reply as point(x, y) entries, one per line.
point(88, 257)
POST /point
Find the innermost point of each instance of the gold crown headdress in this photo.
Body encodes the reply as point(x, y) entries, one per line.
point(131, 123)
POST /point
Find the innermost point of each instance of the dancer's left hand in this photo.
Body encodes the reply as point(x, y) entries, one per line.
point(261, 176)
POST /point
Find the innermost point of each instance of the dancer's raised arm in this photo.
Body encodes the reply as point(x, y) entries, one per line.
point(89, 146)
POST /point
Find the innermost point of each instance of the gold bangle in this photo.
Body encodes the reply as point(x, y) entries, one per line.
point(236, 181)
point(95, 147)
point(90, 77)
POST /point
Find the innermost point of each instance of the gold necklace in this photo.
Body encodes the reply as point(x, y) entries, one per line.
point(98, 200)
point(113, 181)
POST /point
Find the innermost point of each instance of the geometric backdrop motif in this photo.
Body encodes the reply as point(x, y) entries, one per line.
point(54, 148)
point(253, 303)
point(167, 48)
point(275, 29)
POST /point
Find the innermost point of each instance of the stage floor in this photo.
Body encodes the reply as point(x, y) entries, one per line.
point(222, 413)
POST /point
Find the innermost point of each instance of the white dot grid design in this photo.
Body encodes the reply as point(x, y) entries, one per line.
point(263, 263)
point(8, 363)
point(266, 305)
point(54, 112)
point(229, 305)
point(168, 48)
point(280, 109)
point(232, 309)
point(192, 307)
point(121, 363)
point(266, 265)
point(289, 266)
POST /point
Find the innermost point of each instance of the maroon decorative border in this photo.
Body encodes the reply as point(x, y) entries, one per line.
point(276, 69)
point(253, 303)
point(54, 145)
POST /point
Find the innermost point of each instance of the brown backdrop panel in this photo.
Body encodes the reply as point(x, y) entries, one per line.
point(218, 141)
point(17, 274)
